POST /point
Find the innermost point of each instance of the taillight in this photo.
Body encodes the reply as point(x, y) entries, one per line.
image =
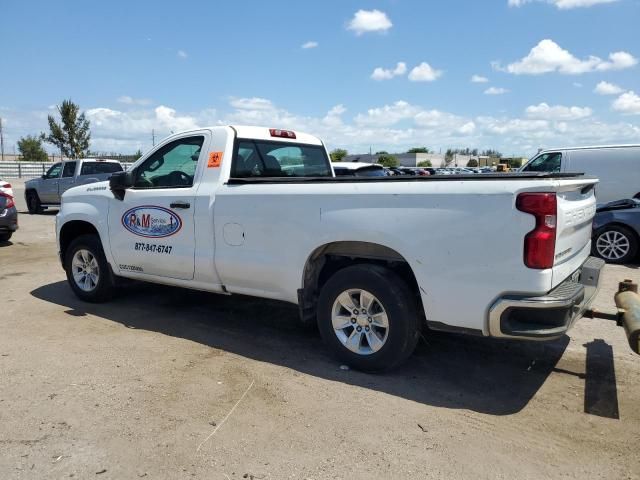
point(9, 203)
point(282, 133)
point(539, 243)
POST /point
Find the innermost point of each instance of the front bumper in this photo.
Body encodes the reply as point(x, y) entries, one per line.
point(548, 316)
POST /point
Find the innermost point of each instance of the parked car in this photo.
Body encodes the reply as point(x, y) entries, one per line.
point(258, 211)
point(616, 166)
point(8, 216)
point(616, 231)
point(416, 171)
point(358, 169)
point(5, 187)
point(46, 191)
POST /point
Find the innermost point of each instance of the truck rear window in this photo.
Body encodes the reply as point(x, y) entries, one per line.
point(261, 158)
point(96, 168)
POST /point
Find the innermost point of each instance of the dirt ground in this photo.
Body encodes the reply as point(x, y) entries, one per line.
point(170, 383)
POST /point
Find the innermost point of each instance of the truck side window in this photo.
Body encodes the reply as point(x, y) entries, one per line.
point(172, 166)
point(54, 171)
point(69, 169)
point(547, 162)
point(262, 158)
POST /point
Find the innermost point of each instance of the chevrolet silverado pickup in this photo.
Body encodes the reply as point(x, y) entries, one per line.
point(373, 260)
point(45, 191)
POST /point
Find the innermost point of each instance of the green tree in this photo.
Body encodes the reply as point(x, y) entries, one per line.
point(418, 150)
point(387, 160)
point(338, 154)
point(31, 150)
point(382, 152)
point(72, 135)
point(472, 163)
point(425, 163)
point(138, 154)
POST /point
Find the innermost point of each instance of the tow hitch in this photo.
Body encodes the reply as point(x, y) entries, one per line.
point(628, 314)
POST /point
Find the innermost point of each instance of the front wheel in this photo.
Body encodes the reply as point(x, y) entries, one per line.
point(5, 237)
point(87, 269)
point(616, 244)
point(367, 316)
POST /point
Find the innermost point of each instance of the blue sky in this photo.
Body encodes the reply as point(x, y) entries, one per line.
point(388, 74)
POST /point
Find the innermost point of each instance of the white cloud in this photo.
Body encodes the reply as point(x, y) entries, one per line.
point(387, 74)
point(253, 103)
point(606, 88)
point(479, 79)
point(127, 100)
point(309, 44)
point(393, 127)
point(562, 4)
point(182, 54)
point(495, 91)
point(333, 118)
point(628, 102)
point(424, 73)
point(369, 21)
point(467, 128)
point(547, 56)
point(557, 112)
point(577, 84)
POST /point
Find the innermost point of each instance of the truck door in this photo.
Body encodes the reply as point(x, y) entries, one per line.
point(48, 188)
point(151, 230)
point(67, 180)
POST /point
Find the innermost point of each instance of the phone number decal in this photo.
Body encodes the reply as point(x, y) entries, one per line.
point(152, 248)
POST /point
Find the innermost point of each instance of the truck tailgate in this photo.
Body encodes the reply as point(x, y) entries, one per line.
point(576, 204)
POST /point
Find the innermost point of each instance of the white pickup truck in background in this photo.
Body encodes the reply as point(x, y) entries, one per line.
point(372, 260)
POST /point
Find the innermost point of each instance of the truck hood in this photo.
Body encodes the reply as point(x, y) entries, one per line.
point(90, 190)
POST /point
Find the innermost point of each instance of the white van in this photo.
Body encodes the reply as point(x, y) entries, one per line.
point(617, 167)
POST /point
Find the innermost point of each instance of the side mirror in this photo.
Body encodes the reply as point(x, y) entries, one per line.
point(119, 182)
point(44, 177)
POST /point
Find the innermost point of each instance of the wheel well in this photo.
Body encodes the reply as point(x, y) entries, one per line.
point(328, 259)
point(72, 230)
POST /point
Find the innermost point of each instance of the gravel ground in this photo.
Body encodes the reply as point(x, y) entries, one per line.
point(170, 383)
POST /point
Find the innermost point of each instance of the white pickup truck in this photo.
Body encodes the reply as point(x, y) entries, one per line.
point(372, 260)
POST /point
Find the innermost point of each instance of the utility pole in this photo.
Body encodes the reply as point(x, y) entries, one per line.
point(153, 137)
point(1, 140)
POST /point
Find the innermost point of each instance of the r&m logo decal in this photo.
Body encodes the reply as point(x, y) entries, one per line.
point(151, 222)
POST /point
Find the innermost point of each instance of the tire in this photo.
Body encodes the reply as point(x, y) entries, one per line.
point(615, 244)
point(85, 259)
point(33, 203)
point(391, 295)
point(5, 237)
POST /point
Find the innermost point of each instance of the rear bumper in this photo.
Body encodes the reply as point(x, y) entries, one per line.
point(548, 316)
point(8, 220)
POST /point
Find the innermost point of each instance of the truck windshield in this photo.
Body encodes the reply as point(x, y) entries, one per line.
point(262, 158)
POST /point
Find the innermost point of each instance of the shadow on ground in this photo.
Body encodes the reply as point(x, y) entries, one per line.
point(452, 371)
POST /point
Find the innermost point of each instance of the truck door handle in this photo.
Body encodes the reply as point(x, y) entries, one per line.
point(180, 205)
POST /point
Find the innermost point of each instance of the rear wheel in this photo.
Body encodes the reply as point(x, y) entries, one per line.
point(5, 237)
point(33, 203)
point(87, 269)
point(616, 244)
point(367, 317)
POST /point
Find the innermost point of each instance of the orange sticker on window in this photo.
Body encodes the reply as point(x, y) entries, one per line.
point(215, 159)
